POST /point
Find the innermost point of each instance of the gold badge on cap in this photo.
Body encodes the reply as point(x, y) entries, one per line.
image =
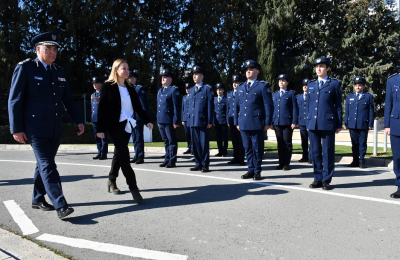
point(54, 37)
point(318, 60)
point(248, 62)
point(163, 71)
point(357, 78)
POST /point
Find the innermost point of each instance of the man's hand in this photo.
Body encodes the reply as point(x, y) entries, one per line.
point(293, 126)
point(100, 135)
point(183, 123)
point(20, 137)
point(150, 126)
point(338, 130)
point(370, 128)
point(238, 127)
point(266, 128)
point(81, 129)
point(346, 127)
point(387, 130)
point(175, 126)
point(271, 127)
point(96, 99)
point(209, 126)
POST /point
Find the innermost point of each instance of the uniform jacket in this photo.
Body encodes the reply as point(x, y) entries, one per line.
point(141, 92)
point(324, 108)
point(230, 107)
point(168, 106)
point(254, 108)
point(201, 106)
point(359, 113)
point(302, 105)
point(185, 108)
point(95, 105)
point(36, 101)
point(220, 111)
point(110, 106)
point(392, 104)
point(286, 111)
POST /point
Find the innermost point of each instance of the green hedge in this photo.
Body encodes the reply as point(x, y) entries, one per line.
point(70, 136)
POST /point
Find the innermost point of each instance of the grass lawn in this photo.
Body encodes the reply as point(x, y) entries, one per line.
point(340, 150)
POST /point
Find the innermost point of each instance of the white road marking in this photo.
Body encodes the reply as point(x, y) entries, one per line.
point(22, 220)
point(331, 193)
point(111, 248)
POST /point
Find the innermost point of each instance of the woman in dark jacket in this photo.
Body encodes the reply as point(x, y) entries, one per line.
point(118, 102)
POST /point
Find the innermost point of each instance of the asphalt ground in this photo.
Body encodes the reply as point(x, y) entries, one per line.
point(215, 215)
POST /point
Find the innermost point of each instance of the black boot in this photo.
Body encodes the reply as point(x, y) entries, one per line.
point(136, 196)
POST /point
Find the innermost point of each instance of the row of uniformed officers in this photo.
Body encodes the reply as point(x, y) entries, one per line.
point(40, 89)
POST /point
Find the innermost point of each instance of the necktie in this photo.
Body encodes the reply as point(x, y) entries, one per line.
point(248, 86)
point(358, 96)
point(219, 99)
point(305, 97)
point(196, 88)
point(321, 82)
point(48, 70)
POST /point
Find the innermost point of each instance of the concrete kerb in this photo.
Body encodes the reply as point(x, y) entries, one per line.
point(338, 159)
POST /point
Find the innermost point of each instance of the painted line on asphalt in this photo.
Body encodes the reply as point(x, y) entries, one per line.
point(111, 248)
point(261, 183)
point(25, 224)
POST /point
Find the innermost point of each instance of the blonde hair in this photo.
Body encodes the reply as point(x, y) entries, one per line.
point(113, 75)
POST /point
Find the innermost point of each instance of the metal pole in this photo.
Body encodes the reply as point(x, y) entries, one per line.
point(375, 138)
point(84, 105)
point(384, 142)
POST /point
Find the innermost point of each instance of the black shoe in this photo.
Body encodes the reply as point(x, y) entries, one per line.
point(303, 160)
point(43, 206)
point(353, 164)
point(286, 168)
point(64, 211)
point(187, 151)
point(247, 175)
point(136, 196)
point(96, 157)
point(163, 164)
point(195, 168)
point(395, 195)
point(133, 160)
point(204, 169)
point(233, 161)
point(163, 156)
point(139, 161)
point(242, 163)
point(257, 176)
point(218, 155)
point(103, 158)
point(362, 165)
point(279, 167)
point(223, 155)
point(170, 165)
point(315, 184)
point(326, 186)
point(191, 153)
point(309, 161)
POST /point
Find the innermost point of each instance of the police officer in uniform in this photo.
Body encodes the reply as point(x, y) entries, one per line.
point(168, 117)
point(302, 105)
point(253, 116)
point(185, 109)
point(137, 132)
point(238, 150)
point(392, 124)
point(220, 123)
point(102, 143)
point(39, 91)
point(200, 119)
point(324, 116)
point(285, 119)
point(359, 118)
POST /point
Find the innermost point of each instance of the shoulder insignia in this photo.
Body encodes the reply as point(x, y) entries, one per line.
point(174, 86)
point(208, 86)
point(276, 91)
point(393, 75)
point(336, 79)
point(263, 81)
point(312, 80)
point(57, 66)
point(24, 61)
point(291, 90)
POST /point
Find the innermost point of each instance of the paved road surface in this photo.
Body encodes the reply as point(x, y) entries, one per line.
point(213, 215)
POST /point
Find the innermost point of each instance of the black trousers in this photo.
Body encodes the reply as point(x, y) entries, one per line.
point(121, 158)
point(221, 131)
point(238, 149)
point(285, 147)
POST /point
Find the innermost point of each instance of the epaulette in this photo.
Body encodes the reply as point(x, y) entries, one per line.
point(174, 86)
point(312, 80)
point(140, 86)
point(276, 92)
point(55, 66)
point(337, 79)
point(299, 95)
point(208, 86)
point(24, 61)
point(393, 75)
point(263, 81)
point(291, 90)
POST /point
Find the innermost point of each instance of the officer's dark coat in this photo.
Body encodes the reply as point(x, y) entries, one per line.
point(109, 110)
point(143, 100)
point(286, 111)
point(254, 108)
point(220, 111)
point(302, 105)
point(324, 108)
point(169, 106)
point(185, 108)
point(230, 107)
point(359, 113)
point(95, 105)
point(201, 106)
point(392, 105)
point(36, 101)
